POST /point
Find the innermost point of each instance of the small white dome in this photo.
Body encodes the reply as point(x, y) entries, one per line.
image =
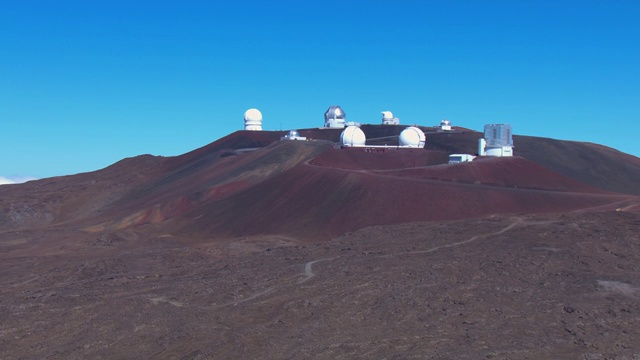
point(412, 137)
point(352, 136)
point(387, 115)
point(445, 122)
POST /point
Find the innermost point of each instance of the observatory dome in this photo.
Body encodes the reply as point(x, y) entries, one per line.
point(334, 117)
point(445, 124)
point(412, 137)
point(253, 120)
point(352, 136)
point(388, 119)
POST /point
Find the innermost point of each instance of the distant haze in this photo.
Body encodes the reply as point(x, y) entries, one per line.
point(14, 180)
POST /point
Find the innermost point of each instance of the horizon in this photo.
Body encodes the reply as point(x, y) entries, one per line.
point(86, 85)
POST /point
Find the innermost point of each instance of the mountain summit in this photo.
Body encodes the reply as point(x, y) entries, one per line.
point(250, 183)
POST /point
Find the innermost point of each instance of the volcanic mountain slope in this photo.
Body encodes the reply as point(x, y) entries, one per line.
point(70, 198)
point(305, 250)
point(589, 163)
point(593, 164)
point(308, 189)
point(329, 191)
point(310, 201)
point(87, 195)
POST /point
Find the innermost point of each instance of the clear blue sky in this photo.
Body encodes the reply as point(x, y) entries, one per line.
point(84, 84)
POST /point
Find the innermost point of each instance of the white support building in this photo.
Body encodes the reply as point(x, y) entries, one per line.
point(293, 135)
point(460, 158)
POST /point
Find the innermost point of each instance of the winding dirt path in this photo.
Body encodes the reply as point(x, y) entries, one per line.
point(308, 269)
point(517, 222)
point(253, 296)
point(425, 180)
point(627, 203)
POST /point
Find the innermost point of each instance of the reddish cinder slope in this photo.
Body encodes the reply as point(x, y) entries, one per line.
point(241, 139)
point(316, 200)
point(207, 179)
point(513, 172)
point(130, 185)
point(379, 158)
point(592, 164)
point(310, 189)
point(73, 198)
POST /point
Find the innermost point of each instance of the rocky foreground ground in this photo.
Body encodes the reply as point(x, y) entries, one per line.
point(564, 286)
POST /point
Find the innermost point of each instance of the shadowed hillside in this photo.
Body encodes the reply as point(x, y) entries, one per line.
point(592, 164)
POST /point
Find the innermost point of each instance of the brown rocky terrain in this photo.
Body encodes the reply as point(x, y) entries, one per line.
point(250, 248)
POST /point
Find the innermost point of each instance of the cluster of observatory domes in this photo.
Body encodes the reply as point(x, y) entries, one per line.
point(411, 137)
point(497, 141)
point(352, 135)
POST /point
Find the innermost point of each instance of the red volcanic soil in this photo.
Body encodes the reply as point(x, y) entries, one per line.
point(548, 286)
point(512, 172)
point(72, 198)
point(193, 183)
point(379, 158)
point(250, 248)
point(313, 201)
point(593, 164)
point(247, 184)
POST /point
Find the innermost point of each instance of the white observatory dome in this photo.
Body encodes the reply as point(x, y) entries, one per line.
point(388, 119)
point(412, 137)
point(253, 120)
point(445, 124)
point(352, 136)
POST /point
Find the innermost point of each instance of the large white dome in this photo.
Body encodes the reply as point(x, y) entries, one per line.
point(253, 115)
point(412, 137)
point(253, 120)
point(352, 136)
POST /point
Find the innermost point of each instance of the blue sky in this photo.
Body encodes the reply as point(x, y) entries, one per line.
point(84, 84)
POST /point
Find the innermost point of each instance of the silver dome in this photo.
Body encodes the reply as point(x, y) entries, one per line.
point(334, 112)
